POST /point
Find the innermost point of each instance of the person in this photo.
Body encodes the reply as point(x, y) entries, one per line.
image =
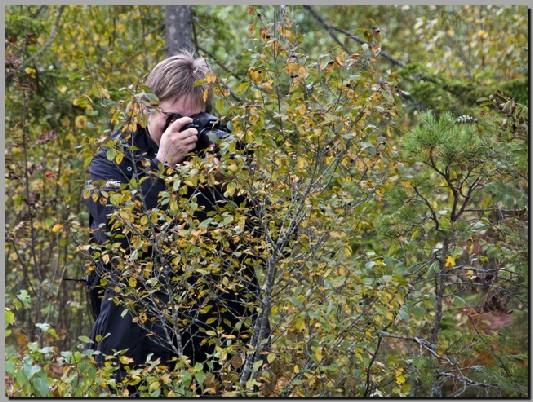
point(175, 83)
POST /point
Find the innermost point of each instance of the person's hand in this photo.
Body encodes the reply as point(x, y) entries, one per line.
point(174, 145)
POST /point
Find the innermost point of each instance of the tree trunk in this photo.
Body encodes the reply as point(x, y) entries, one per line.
point(436, 388)
point(178, 28)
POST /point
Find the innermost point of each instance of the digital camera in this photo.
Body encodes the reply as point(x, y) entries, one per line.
point(211, 131)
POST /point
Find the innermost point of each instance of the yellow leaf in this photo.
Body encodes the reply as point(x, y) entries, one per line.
point(132, 282)
point(318, 354)
point(105, 258)
point(347, 250)
point(360, 165)
point(143, 318)
point(210, 78)
point(296, 369)
point(267, 85)
point(166, 379)
point(233, 167)
point(104, 93)
point(254, 74)
point(399, 377)
point(301, 163)
point(285, 32)
point(57, 228)
point(469, 272)
point(119, 158)
point(450, 262)
point(299, 324)
point(30, 71)
point(301, 109)
point(81, 121)
point(292, 67)
point(125, 359)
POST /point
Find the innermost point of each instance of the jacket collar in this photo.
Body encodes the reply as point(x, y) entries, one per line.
point(141, 140)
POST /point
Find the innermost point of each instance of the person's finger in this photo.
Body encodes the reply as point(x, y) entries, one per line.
point(189, 140)
point(179, 123)
point(190, 132)
point(191, 147)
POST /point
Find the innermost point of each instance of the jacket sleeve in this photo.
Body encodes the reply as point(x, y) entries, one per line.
point(107, 176)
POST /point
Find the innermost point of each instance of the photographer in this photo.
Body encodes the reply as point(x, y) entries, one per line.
point(166, 141)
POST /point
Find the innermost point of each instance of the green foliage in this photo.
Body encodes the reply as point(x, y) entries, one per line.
point(454, 145)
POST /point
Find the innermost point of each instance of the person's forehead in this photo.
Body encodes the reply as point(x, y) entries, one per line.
point(183, 105)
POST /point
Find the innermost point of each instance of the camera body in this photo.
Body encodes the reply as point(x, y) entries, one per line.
point(210, 129)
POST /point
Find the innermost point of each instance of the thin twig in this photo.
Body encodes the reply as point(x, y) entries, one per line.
point(433, 214)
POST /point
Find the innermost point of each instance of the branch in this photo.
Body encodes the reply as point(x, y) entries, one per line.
point(433, 214)
point(383, 53)
point(328, 28)
point(461, 184)
point(370, 364)
point(467, 198)
point(434, 166)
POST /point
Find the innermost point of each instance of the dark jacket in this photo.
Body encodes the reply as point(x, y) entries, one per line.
point(106, 175)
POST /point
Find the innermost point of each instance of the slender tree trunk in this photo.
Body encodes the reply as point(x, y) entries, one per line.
point(178, 28)
point(436, 389)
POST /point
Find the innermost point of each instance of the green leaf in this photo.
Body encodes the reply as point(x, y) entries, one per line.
point(200, 377)
point(30, 370)
point(25, 298)
point(85, 339)
point(271, 357)
point(9, 317)
point(111, 154)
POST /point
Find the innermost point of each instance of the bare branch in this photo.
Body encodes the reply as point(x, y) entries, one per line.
point(328, 28)
point(471, 189)
point(433, 214)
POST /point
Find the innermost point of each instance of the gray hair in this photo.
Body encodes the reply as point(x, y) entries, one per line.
point(175, 77)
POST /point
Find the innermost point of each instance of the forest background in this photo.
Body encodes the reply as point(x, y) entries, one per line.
point(395, 138)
